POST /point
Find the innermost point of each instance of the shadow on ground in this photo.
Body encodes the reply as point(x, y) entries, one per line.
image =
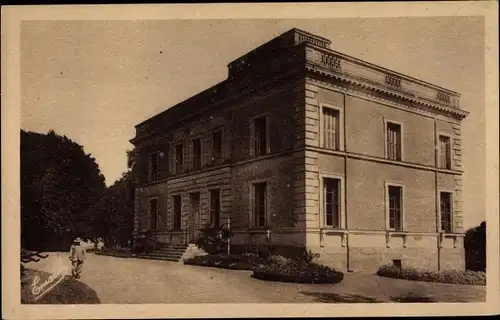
point(409, 298)
point(68, 291)
point(330, 297)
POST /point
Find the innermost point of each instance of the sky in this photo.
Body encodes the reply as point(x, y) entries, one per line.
point(93, 81)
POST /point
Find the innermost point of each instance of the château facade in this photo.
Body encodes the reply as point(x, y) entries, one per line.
point(303, 146)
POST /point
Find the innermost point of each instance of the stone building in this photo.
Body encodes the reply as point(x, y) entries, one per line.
point(303, 146)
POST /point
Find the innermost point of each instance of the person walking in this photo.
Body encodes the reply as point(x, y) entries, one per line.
point(77, 256)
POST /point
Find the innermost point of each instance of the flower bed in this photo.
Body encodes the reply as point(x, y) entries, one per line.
point(451, 276)
point(224, 261)
point(286, 270)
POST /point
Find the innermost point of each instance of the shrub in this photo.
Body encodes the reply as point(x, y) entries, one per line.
point(448, 276)
point(212, 239)
point(298, 271)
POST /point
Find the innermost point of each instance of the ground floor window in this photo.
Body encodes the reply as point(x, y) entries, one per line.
point(177, 200)
point(215, 207)
point(395, 197)
point(446, 212)
point(153, 213)
point(331, 202)
point(259, 204)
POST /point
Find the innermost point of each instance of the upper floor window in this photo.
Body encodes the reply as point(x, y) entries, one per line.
point(153, 166)
point(179, 158)
point(216, 146)
point(393, 141)
point(446, 211)
point(395, 202)
point(260, 143)
point(331, 202)
point(196, 155)
point(444, 152)
point(331, 133)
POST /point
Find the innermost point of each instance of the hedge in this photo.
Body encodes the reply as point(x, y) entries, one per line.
point(449, 276)
point(286, 270)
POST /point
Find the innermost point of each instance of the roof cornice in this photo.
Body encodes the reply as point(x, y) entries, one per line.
point(356, 72)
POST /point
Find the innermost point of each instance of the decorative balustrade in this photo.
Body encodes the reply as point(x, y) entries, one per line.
point(366, 73)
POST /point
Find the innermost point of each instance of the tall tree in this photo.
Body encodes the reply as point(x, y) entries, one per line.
point(475, 248)
point(60, 186)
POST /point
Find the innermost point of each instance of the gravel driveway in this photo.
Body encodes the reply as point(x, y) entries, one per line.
point(132, 281)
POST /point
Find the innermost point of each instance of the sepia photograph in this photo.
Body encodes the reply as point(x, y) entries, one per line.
point(249, 160)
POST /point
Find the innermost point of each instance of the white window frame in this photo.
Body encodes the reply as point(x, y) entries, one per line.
point(251, 185)
point(267, 116)
point(150, 214)
point(388, 184)
point(322, 213)
point(438, 147)
point(386, 152)
point(340, 109)
point(150, 176)
point(452, 208)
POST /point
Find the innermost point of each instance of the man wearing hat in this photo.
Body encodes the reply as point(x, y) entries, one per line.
point(77, 255)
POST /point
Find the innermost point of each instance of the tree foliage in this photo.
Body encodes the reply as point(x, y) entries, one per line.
point(60, 188)
point(475, 248)
point(117, 206)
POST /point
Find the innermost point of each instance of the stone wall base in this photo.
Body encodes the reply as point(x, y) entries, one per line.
point(368, 260)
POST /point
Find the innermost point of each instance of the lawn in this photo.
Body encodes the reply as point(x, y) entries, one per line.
point(68, 291)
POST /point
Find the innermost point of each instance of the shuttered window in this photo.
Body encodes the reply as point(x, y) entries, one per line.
point(446, 212)
point(444, 152)
point(331, 128)
point(393, 141)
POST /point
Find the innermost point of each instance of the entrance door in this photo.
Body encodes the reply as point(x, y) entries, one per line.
point(194, 213)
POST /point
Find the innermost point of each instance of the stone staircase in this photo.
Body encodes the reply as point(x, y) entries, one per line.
point(174, 253)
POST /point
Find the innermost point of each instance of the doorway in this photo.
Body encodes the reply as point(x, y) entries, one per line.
point(194, 213)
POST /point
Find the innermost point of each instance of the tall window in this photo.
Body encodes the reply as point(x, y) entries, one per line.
point(393, 141)
point(444, 152)
point(153, 166)
point(153, 213)
point(446, 212)
point(259, 204)
point(260, 136)
point(216, 147)
point(395, 208)
point(177, 212)
point(196, 160)
point(331, 191)
point(179, 158)
point(331, 128)
point(215, 207)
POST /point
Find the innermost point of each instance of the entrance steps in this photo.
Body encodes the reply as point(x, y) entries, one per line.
point(174, 253)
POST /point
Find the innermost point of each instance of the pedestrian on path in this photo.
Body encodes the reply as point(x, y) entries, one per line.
point(77, 256)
